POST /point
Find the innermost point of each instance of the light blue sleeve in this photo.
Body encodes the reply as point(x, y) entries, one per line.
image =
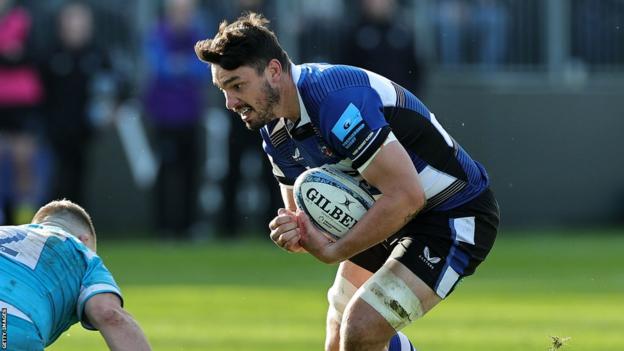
point(97, 280)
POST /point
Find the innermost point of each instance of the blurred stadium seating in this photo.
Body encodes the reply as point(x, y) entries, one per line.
point(531, 88)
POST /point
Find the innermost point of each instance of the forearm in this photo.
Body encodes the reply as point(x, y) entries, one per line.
point(287, 197)
point(386, 217)
point(122, 333)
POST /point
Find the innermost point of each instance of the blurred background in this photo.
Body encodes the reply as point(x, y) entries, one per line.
point(104, 103)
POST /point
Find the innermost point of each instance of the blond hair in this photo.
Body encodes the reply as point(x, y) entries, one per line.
point(67, 210)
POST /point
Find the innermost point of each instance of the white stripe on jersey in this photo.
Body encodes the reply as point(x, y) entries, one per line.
point(14, 311)
point(85, 293)
point(295, 72)
point(276, 170)
point(89, 292)
point(279, 125)
point(304, 118)
point(383, 86)
point(389, 139)
point(361, 152)
point(447, 137)
point(405, 343)
point(433, 181)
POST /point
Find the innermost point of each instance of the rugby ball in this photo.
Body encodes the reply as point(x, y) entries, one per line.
point(333, 200)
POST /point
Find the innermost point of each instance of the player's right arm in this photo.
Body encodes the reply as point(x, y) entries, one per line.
point(119, 329)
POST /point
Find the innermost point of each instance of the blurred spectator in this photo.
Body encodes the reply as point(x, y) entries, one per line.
point(452, 17)
point(174, 103)
point(249, 5)
point(383, 43)
point(597, 31)
point(491, 22)
point(321, 29)
point(231, 10)
point(20, 95)
point(74, 68)
point(472, 31)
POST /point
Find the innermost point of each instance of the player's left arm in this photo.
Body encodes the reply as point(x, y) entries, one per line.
point(284, 227)
point(393, 173)
point(119, 329)
point(100, 307)
point(354, 125)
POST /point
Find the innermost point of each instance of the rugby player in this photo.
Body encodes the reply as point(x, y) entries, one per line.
point(436, 218)
point(51, 278)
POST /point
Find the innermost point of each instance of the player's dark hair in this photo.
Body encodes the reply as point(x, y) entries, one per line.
point(65, 208)
point(245, 42)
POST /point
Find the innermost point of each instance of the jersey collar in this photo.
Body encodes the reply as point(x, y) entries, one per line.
point(305, 117)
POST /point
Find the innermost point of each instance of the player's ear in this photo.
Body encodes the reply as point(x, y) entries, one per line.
point(88, 240)
point(274, 70)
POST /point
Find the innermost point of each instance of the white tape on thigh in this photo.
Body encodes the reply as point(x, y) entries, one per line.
point(392, 298)
point(339, 296)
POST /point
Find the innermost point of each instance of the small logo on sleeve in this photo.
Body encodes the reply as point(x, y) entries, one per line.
point(350, 118)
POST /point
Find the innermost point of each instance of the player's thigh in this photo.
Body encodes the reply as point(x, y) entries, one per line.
point(442, 248)
point(391, 299)
point(353, 273)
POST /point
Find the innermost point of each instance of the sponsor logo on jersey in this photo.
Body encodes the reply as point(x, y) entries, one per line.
point(364, 143)
point(297, 155)
point(350, 118)
point(7, 237)
point(428, 259)
point(353, 137)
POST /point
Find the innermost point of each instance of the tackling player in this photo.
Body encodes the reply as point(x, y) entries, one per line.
point(51, 278)
point(436, 219)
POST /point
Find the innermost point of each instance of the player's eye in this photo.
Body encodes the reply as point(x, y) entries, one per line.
point(237, 87)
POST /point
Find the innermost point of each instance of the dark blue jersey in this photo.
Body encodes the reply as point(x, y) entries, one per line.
point(347, 113)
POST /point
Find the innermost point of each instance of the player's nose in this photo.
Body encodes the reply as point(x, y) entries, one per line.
point(231, 101)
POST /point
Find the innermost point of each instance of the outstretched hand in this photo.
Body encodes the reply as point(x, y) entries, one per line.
point(315, 241)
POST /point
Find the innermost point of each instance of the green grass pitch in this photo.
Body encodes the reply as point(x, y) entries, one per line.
point(252, 296)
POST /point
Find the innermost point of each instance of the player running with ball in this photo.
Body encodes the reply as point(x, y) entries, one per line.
point(436, 219)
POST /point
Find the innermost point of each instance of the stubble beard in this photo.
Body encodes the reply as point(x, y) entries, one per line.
point(265, 113)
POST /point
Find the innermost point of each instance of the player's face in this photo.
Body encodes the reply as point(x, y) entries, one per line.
point(247, 93)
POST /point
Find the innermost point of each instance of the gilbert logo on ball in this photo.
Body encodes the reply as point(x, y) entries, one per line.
point(333, 200)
